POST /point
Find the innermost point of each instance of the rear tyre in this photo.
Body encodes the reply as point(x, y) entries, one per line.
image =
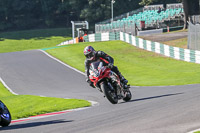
point(128, 96)
point(111, 96)
point(5, 115)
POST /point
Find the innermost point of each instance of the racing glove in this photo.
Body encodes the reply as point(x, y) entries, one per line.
point(110, 65)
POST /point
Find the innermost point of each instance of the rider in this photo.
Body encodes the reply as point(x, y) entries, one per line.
point(92, 55)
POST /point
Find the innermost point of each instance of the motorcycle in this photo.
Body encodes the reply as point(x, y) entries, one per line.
point(5, 116)
point(108, 82)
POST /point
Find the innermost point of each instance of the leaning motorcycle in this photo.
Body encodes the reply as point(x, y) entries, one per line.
point(5, 117)
point(108, 82)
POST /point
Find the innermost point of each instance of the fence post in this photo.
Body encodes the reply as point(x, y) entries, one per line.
point(167, 28)
point(189, 37)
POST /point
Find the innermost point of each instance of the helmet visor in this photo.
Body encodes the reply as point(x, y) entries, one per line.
point(90, 55)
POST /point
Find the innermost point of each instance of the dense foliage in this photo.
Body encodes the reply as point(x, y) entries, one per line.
point(29, 14)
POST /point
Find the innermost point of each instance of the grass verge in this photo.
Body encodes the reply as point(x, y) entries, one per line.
point(21, 106)
point(32, 39)
point(140, 67)
point(181, 43)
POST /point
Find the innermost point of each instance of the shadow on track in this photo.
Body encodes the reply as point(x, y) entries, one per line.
point(154, 97)
point(33, 124)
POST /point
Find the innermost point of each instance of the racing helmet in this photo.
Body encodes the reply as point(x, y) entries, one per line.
point(89, 53)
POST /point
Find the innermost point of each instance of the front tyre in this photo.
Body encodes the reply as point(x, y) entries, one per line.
point(5, 115)
point(111, 96)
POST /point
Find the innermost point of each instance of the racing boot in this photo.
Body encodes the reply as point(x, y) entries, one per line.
point(123, 80)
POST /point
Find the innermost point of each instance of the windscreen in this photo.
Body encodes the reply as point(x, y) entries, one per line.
point(95, 67)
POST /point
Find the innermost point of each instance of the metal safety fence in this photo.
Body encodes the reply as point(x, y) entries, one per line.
point(119, 17)
point(195, 19)
point(194, 36)
point(125, 26)
point(166, 50)
point(149, 17)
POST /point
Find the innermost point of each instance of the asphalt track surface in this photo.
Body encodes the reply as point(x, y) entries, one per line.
point(163, 38)
point(170, 109)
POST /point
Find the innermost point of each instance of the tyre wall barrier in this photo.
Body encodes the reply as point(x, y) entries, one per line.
point(169, 51)
point(68, 42)
point(166, 50)
point(109, 36)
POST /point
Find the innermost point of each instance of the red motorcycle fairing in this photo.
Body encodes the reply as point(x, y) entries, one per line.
point(108, 82)
point(104, 73)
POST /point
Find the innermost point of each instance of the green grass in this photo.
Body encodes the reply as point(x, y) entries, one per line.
point(197, 132)
point(32, 39)
point(140, 67)
point(181, 43)
point(21, 106)
point(174, 31)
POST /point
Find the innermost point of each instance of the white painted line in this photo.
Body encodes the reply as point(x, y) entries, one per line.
point(62, 62)
point(5, 85)
point(94, 103)
point(66, 64)
point(47, 114)
point(54, 113)
point(84, 73)
point(194, 131)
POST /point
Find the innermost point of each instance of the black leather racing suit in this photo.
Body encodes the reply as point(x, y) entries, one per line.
point(106, 59)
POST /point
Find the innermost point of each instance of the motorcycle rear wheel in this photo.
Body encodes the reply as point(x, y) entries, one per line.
point(5, 116)
point(111, 96)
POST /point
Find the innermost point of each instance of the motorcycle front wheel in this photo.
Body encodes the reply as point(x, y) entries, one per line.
point(5, 115)
point(111, 96)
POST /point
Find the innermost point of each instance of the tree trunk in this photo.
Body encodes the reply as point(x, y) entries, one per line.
point(186, 13)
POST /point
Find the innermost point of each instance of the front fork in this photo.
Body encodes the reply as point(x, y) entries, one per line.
point(117, 89)
point(111, 87)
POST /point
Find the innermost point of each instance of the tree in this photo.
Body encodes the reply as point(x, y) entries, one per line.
point(27, 14)
point(96, 10)
point(124, 6)
point(5, 14)
point(148, 2)
point(99, 10)
point(186, 13)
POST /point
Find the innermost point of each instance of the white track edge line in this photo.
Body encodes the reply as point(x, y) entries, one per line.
point(92, 102)
point(66, 64)
point(194, 131)
point(45, 116)
point(61, 62)
point(5, 85)
point(84, 73)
